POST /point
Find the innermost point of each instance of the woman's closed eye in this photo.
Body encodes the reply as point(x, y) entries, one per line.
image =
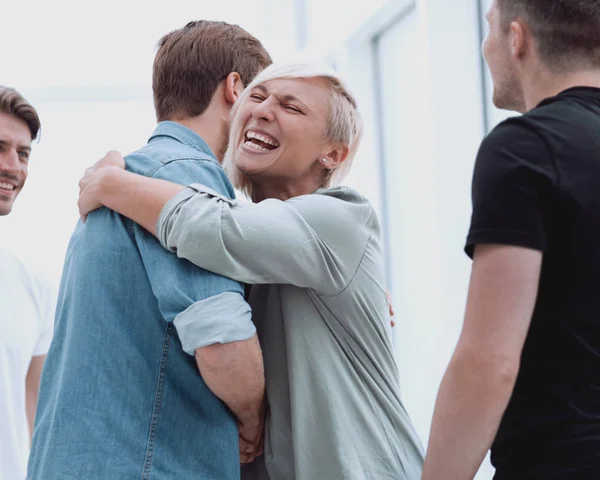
point(292, 108)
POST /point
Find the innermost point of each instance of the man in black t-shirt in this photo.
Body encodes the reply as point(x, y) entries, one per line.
point(525, 375)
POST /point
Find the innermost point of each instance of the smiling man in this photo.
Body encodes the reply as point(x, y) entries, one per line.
point(155, 363)
point(19, 125)
point(525, 375)
point(26, 304)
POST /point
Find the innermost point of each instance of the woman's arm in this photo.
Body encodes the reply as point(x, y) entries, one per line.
point(135, 196)
point(312, 241)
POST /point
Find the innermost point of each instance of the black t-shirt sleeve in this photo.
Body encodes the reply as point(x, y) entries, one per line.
point(514, 184)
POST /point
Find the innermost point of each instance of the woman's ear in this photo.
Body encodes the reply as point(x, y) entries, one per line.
point(233, 87)
point(335, 157)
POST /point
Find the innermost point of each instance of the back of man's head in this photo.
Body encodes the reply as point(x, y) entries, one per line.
point(191, 62)
point(567, 32)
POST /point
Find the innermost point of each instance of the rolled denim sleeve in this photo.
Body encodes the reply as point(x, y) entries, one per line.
point(206, 308)
point(223, 318)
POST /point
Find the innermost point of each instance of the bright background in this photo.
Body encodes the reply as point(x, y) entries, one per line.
point(414, 65)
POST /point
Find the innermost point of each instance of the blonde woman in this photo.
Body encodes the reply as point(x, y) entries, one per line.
point(311, 251)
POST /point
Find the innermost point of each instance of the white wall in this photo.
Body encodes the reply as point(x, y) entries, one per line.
point(457, 127)
point(333, 20)
point(74, 135)
point(411, 199)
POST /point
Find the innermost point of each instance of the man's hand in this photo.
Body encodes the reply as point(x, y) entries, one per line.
point(252, 437)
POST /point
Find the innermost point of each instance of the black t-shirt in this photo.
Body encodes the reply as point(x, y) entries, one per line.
point(537, 184)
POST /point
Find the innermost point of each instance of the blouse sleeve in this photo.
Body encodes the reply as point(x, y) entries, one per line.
point(313, 241)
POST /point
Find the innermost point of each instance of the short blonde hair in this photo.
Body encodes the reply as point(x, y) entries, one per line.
point(344, 127)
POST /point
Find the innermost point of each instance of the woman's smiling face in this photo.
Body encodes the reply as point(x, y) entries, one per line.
point(282, 129)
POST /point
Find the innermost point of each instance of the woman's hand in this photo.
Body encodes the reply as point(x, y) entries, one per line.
point(390, 307)
point(90, 185)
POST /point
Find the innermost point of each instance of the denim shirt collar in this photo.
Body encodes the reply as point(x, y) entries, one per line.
point(184, 135)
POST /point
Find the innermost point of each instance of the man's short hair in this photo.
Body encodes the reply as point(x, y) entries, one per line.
point(13, 103)
point(567, 31)
point(191, 62)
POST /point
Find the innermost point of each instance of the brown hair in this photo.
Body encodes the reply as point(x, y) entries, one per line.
point(567, 31)
point(192, 61)
point(13, 103)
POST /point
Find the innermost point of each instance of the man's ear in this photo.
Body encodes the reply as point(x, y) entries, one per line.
point(233, 87)
point(520, 39)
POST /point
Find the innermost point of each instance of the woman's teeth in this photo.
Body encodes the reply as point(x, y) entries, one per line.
point(255, 146)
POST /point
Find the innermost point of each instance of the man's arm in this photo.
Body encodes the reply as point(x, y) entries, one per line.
point(235, 373)
point(481, 375)
point(46, 306)
point(212, 319)
point(32, 387)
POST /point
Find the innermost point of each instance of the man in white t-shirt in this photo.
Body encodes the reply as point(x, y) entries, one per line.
point(26, 303)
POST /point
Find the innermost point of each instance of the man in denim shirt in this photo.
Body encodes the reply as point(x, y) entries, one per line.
point(121, 396)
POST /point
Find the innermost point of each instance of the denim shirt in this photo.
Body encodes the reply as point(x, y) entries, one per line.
point(121, 396)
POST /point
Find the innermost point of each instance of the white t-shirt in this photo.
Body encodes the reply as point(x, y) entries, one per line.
point(26, 324)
